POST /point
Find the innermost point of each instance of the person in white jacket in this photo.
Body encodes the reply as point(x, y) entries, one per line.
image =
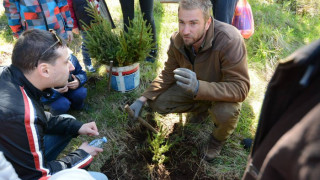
point(7, 172)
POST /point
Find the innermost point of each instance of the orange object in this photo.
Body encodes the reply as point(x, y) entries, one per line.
point(30, 15)
point(243, 19)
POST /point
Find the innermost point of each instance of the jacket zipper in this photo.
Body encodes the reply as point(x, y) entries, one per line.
point(185, 55)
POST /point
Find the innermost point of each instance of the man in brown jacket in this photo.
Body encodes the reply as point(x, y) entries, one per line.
point(206, 71)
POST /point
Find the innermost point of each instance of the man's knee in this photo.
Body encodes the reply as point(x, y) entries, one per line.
point(158, 105)
point(60, 106)
point(226, 112)
point(80, 93)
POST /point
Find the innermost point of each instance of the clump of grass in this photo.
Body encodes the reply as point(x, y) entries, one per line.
point(276, 38)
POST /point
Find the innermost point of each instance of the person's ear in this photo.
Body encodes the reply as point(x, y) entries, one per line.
point(208, 23)
point(44, 70)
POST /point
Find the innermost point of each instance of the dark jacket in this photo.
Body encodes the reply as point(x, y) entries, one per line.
point(292, 92)
point(24, 124)
point(296, 155)
point(220, 65)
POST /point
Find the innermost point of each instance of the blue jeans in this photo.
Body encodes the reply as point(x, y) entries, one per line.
point(85, 53)
point(73, 98)
point(223, 10)
point(55, 144)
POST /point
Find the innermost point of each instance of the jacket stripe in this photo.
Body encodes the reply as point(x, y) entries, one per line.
point(32, 134)
point(84, 163)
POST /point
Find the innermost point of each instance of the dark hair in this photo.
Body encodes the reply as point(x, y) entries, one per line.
point(32, 47)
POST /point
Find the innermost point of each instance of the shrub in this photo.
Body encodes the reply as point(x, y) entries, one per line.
point(125, 48)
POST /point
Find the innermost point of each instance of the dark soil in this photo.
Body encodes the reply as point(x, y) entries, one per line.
point(132, 162)
point(135, 162)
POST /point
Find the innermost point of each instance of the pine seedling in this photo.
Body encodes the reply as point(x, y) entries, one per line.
point(159, 145)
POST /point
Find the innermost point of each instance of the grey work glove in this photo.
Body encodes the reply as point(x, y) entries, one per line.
point(136, 107)
point(187, 80)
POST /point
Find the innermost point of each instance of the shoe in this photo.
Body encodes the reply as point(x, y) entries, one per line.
point(197, 117)
point(246, 143)
point(212, 149)
point(90, 68)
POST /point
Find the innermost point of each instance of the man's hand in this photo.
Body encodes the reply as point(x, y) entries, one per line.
point(93, 151)
point(89, 129)
point(62, 90)
point(187, 80)
point(73, 84)
point(76, 31)
point(70, 36)
point(137, 106)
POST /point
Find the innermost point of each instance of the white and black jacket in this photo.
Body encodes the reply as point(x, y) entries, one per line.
point(24, 124)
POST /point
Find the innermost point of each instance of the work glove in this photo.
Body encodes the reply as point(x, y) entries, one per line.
point(187, 80)
point(136, 107)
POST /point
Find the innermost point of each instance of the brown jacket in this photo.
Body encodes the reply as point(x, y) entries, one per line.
point(291, 95)
point(220, 65)
point(296, 155)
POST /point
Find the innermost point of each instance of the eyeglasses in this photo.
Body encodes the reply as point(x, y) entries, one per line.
point(58, 41)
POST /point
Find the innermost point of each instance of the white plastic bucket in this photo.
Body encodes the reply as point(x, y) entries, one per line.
point(125, 78)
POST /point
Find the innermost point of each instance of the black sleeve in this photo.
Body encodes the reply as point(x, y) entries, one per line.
point(62, 124)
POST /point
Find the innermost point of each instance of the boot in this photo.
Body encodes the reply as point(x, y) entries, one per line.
point(212, 149)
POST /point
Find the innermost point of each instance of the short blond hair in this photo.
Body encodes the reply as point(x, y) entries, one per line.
point(204, 5)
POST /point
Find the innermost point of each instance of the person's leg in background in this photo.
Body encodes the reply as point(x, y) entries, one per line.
point(225, 116)
point(77, 97)
point(147, 9)
point(85, 54)
point(127, 7)
point(223, 10)
point(60, 106)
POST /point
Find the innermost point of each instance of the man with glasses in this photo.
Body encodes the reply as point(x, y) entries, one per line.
point(30, 138)
point(45, 15)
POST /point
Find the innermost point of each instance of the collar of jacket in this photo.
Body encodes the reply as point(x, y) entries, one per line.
point(178, 41)
point(22, 81)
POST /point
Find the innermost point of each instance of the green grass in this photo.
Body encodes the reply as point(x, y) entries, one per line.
point(278, 32)
point(5, 32)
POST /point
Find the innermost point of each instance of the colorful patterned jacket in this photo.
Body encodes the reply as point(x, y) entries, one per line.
point(38, 14)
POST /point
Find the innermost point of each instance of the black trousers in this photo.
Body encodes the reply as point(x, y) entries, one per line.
point(146, 6)
point(223, 10)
